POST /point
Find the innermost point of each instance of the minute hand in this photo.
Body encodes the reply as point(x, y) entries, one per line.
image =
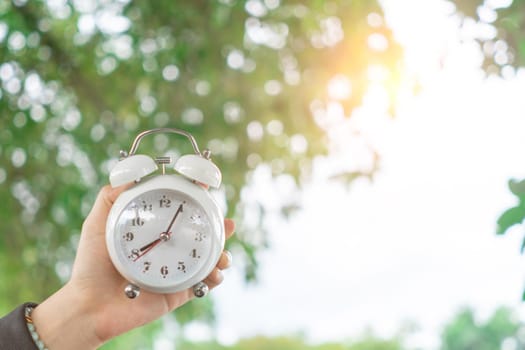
point(179, 210)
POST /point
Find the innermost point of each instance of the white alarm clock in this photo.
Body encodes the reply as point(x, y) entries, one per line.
point(165, 233)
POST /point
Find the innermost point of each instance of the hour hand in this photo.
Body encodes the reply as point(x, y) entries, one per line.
point(147, 248)
point(149, 245)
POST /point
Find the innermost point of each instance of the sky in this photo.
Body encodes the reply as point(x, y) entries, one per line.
point(418, 242)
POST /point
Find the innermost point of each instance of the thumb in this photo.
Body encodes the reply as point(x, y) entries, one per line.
point(97, 217)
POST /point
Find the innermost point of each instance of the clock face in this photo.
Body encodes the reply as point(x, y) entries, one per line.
point(162, 238)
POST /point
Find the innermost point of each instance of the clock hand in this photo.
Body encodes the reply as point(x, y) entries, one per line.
point(179, 210)
point(150, 245)
point(147, 248)
point(164, 236)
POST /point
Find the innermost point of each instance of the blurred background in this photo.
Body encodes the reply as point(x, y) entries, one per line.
point(371, 153)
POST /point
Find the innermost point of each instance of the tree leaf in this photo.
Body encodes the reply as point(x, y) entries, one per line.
point(517, 187)
point(509, 218)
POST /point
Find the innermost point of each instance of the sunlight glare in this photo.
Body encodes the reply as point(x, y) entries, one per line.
point(377, 73)
point(377, 42)
point(339, 87)
point(377, 99)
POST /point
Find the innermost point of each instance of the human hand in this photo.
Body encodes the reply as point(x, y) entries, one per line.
point(97, 308)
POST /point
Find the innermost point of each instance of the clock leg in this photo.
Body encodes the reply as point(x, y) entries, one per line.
point(200, 289)
point(132, 291)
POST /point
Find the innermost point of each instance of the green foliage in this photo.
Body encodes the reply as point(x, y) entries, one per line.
point(462, 332)
point(465, 332)
point(507, 47)
point(505, 52)
point(296, 343)
point(139, 338)
point(516, 214)
point(373, 343)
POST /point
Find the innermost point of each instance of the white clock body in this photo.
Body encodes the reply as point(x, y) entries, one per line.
point(165, 234)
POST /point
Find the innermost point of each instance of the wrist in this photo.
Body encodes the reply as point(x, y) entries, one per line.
point(65, 321)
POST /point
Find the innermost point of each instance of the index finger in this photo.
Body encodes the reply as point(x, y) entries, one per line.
point(229, 227)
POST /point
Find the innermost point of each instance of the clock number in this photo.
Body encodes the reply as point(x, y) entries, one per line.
point(128, 236)
point(134, 254)
point(181, 266)
point(147, 265)
point(196, 219)
point(138, 221)
point(164, 271)
point(193, 254)
point(146, 206)
point(165, 202)
point(199, 236)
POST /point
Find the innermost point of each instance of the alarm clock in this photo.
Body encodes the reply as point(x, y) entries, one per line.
point(165, 233)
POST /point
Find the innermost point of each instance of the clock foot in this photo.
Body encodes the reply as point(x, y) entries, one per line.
point(200, 289)
point(132, 291)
